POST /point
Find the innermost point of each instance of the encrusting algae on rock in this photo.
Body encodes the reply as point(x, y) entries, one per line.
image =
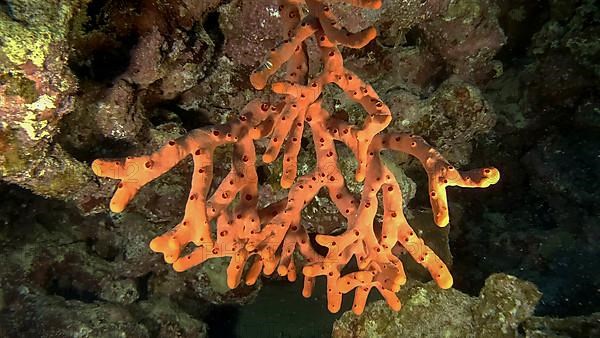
point(36, 91)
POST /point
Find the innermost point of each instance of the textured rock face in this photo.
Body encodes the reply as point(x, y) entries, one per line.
point(36, 91)
point(468, 36)
point(503, 304)
point(40, 75)
point(580, 326)
point(142, 72)
point(67, 275)
point(126, 69)
point(546, 136)
point(250, 28)
point(53, 316)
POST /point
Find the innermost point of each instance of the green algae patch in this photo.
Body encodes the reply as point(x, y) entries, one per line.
point(12, 160)
point(18, 85)
point(32, 27)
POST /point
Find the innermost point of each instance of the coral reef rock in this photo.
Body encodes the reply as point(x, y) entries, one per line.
point(503, 304)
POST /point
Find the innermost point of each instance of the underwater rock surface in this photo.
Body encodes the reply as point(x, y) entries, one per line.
point(509, 83)
point(504, 302)
point(37, 89)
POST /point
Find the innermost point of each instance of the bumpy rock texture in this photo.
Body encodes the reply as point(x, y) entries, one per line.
point(504, 302)
point(580, 326)
point(542, 223)
point(36, 92)
point(93, 276)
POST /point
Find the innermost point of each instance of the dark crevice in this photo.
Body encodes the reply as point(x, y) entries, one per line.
point(95, 10)
point(412, 37)
point(106, 148)
point(7, 8)
point(211, 26)
point(222, 320)
point(263, 174)
point(529, 218)
point(63, 286)
point(104, 64)
point(520, 32)
point(189, 119)
point(142, 286)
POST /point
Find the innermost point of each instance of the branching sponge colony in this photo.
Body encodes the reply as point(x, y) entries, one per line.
point(269, 237)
